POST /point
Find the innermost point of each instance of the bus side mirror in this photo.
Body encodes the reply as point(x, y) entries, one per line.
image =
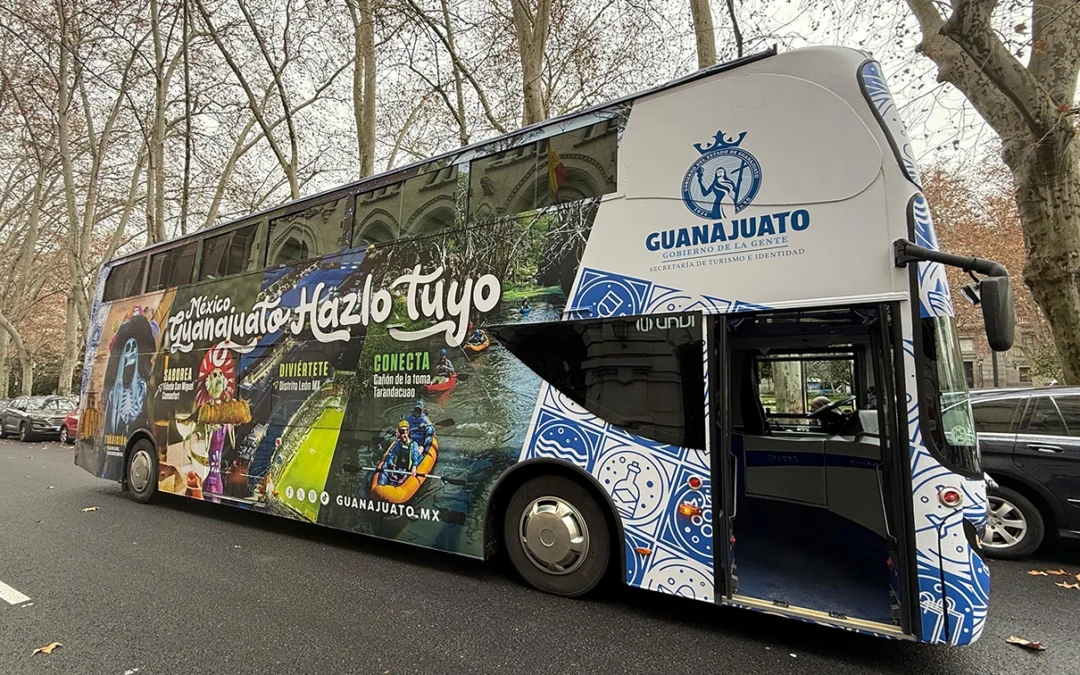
point(997, 311)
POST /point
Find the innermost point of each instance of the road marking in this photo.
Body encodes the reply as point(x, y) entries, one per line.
point(11, 596)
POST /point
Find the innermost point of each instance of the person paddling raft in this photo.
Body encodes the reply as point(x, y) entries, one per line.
point(401, 458)
point(525, 304)
point(477, 337)
point(444, 368)
point(421, 430)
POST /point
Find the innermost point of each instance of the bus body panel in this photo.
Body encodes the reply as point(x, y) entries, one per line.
point(275, 389)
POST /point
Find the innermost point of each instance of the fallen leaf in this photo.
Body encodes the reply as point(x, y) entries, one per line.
point(1026, 644)
point(94, 508)
point(1065, 584)
point(47, 649)
point(1057, 573)
point(1037, 573)
point(1078, 577)
point(1020, 28)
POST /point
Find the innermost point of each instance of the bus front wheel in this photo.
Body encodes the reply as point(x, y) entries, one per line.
point(142, 471)
point(556, 536)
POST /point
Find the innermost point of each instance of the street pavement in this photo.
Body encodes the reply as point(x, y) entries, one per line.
point(185, 587)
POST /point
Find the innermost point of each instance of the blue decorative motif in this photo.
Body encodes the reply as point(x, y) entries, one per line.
point(954, 582)
point(877, 92)
point(646, 482)
point(934, 296)
point(724, 174)
point(604, 294)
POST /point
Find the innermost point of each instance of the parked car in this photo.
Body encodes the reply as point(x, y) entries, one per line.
point(69, 430)
point(1030, 443)
point(35, 417)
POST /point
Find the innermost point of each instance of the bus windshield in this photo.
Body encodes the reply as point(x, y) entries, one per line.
point(957, 428)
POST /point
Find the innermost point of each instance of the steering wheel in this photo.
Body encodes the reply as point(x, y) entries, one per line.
point(829, 408)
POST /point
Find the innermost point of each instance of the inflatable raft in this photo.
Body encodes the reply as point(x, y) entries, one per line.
point(399, 494)
point(478, 347)
point(442, 386)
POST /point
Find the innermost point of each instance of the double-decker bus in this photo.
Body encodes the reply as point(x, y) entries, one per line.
point(553, 344)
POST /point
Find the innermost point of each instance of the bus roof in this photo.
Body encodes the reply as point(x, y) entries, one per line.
point(704, 72)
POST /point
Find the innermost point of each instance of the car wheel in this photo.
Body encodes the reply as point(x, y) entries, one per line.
point(1014, 527)
point(23, 435)
point(142, 471)
point(64, 435)
point(556, 536)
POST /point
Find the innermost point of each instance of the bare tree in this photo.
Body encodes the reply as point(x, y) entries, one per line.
point(1032, 108)
point(704, 35)
point(531, 29)
point(363, 87)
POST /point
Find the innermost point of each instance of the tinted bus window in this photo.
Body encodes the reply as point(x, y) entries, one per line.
point(428, 202)
point(124, 280)
point(172, 268)
point(315, 231)
point(227, 253)
point(642, 374)
point(994, 417)
point(505, 183)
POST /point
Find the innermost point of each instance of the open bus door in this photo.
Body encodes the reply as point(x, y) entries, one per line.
point(812, 486)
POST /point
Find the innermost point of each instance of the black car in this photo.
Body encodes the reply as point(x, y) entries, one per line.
point(32, 417)
point(1030, 442)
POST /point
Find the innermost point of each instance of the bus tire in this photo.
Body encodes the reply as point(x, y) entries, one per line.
point(141, 472)
point(556, 536)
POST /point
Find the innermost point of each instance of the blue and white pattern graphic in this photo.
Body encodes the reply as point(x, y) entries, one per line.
point(877, 91)
point(954, 582)
point(647, 481)
point(599, 294)
point(934, 296)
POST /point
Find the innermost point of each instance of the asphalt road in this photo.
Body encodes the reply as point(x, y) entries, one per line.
point(183, 587)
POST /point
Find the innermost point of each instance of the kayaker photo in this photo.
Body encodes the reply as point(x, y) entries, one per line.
point(401, 459)
point(444, 368)
point(525, 304)
point(477, 337)
point(421, 430)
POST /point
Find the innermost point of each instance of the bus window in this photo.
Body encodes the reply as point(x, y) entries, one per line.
point(643, 374)
point(172, 268)
point(428, 202)
point(580, 164)
point(315, 231)
point(228, 253)
point(504, 183)
point(375, 218)
point(124, 280)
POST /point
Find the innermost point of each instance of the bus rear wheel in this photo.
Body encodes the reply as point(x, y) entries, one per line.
point(142, 471)
point(556, 536)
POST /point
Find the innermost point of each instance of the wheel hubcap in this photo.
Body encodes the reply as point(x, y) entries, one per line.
point(1006, 526)
point(139, 476)
point(554, 535)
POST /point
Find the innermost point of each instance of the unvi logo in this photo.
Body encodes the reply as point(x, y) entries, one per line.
point(724, 176)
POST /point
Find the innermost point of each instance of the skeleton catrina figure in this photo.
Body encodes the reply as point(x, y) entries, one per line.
point(218, 411)
point(127, 378)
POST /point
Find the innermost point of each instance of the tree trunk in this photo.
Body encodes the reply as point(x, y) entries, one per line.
point(788, 385)
point(156, 233)
point(532, 32)
point(1047, 180)
point(459, 94)
point(5, 366)
point(26, 385)
point(364, 82)
point(71, 349)
point(701, 13)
